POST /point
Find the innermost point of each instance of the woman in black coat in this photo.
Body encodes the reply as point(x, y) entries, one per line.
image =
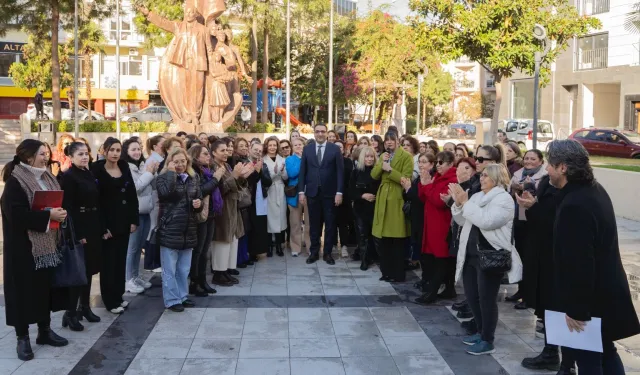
point(82, 202)
point(343, 212)
point(259, 182)
point(363, 190)
point(28, 293)
point(119, 212)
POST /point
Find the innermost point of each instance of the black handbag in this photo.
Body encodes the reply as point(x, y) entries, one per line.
point(71, 271)
point(291, 191)
point(492, 260)
point(153, 234)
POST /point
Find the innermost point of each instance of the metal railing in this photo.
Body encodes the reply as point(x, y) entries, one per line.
point(591, 7)
point(596, 58)
point(465, 84)
point(463, 60)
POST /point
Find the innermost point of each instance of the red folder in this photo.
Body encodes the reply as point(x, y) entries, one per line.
point(44, 200)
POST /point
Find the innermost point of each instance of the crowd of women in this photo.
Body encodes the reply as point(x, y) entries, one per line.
point(201, 201)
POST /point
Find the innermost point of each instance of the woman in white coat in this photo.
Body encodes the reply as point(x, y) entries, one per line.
point(276, 200)
point(143, 173)
point(487, 220)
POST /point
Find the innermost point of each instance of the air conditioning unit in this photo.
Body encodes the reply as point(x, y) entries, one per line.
point(133, 52)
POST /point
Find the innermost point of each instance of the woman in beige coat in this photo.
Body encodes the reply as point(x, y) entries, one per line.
point(228, 225)
point(276, 202)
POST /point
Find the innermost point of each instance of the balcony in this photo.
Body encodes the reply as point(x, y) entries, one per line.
point(465, 85)
point(464, 61)
point(591, 7)
point(596, 58)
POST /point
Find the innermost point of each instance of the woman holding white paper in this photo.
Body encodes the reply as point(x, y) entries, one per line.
point(486, 219)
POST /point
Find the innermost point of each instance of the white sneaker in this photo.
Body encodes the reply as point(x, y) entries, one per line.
point(133, 287)
point(124, 304)
point(158, 270)
point(294, 254)
point(117, 310)
point(345, 252)
point(145, 284)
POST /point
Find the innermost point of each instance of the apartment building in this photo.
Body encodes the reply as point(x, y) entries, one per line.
point(595, 82)
point(469, 77)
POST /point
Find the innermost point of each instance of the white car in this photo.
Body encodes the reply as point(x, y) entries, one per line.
point(65, 112)
point(521, 131)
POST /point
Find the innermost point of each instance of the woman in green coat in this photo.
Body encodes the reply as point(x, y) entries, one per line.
point(390, 225)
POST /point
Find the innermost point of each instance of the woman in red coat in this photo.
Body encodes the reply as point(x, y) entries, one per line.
point(437, 222)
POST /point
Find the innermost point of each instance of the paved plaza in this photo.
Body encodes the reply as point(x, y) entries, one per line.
point(289, 318)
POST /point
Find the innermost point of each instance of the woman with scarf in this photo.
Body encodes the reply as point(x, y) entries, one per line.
point(59, 155)
point(259, 182)
point(513, 155)
point(242, 156)
point(29, 252)
point(201, 160)
point(276, 203)
point(525, 179)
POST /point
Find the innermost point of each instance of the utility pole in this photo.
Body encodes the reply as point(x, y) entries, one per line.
point(330, 106)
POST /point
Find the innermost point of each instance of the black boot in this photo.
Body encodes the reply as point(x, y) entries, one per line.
point(459, 305)
point(70, 319)
point(427, 298)
point(23, 348)
point(47, 337)
point(196, 290)
point(204, 285)
point(279, 250)
point(565, 370)
point(470, 327)
point(270, 251)
point(549, 359)
point(219, 279)
point(514, 298)
point(448, 293)
point(85, 311)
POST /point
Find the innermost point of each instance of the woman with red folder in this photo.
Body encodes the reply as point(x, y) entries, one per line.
point(29, 248)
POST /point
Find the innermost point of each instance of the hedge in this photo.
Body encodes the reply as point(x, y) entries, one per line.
point(65, 126)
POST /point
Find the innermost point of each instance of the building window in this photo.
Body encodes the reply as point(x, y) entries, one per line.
point(6, 60)
point(590, 7)
point(127, 30)
point(131, 65)
point(491, 81)
point(592, 52)
point(522, 99)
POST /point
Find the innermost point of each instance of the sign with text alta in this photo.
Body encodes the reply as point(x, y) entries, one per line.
point(10, 47)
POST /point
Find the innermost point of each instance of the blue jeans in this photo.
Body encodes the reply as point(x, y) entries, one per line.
point(175, 274)
point(136, 242)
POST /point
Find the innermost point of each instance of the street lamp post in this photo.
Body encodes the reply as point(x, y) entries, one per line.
point(373, 110)
point(420, 79)
point(330, 106)
point(540, 33)
point(76, 71)
point(288, 104)
point(118, 69)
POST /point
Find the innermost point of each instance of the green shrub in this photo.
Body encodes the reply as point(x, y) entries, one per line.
point(66, 126)
point(263, 127)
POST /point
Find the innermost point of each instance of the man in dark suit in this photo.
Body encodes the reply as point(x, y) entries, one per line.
point(320, 183)
point(589, 280)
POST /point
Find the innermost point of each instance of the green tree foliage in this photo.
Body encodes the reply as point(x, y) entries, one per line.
point(498, 34)
point(42, 20)
point(35, 72)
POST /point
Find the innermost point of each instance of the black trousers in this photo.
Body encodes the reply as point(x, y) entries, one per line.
point(24, 330)
point(441, 271)
point(392, 258)
point(112, 274)
point(199, 257)
point(80, 295)
point(481, 289)
point(593, 363)
point(343, 219)
point(364, 224)
point(322, 212)
point(278, 240)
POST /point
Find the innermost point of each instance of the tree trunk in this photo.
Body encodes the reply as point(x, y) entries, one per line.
point(55, 60)
point(496, 109)
point(87, 80)
point(265, 75)
point(254, 71)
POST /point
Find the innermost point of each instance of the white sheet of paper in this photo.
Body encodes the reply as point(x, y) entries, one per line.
point(558, 333)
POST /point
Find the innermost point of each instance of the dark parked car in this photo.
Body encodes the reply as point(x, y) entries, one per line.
point(609, 142)
point(463, 130)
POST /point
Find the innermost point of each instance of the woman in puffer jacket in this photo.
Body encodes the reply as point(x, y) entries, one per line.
point(487, 220)
point(180, 199)
point(143, 174)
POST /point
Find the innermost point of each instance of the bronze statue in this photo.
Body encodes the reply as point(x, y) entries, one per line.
point(198, 79)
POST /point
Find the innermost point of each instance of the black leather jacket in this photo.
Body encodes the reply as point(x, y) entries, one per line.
point(177, 225)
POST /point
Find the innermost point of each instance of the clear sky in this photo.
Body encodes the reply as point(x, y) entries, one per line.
point(397, 8)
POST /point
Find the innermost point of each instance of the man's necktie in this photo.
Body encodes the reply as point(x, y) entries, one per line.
point(319, 154)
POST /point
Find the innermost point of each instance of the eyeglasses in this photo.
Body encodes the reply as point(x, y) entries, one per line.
point(320, 131)
point(481, 159)
point(285, 147)
point(440, 162)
